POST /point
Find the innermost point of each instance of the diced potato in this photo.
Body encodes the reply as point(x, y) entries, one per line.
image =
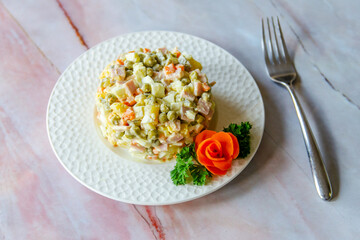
point(158, 90)
point(119, 91)
point(139, 71)
point(119, 108)
point(151, 114)
point(177, 86)
point(134, 57)
point(148, 126)
point(176, 106)
point(170, 98)
point(148, 80)
point(139, 112)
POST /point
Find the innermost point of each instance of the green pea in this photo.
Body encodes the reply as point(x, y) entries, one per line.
point(157, 67)
point(194, 76)
point(110, 98)
point(171, 115)
point(162, 117)
point(128, 64)
point(119, 134)
point(129, 73)
point(115, 119)
point(146, 87)
point(149, 72)
point(149, 61)
point(199, 118)
point(164, 108)
point(185, 81)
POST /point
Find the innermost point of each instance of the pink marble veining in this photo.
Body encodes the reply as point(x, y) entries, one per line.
point(274, 198)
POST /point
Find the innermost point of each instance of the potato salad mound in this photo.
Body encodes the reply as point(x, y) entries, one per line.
point(154, 102)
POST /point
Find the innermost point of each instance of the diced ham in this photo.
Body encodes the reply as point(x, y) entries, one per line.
point(183, 116)
point(137, 147)
point(209, 115)
point(163, 50)
point(160, 148)
point(198, 89)
point(130, 87)
point(175, 137)
point(187, 95)
point(118, 72)
point(203, 106)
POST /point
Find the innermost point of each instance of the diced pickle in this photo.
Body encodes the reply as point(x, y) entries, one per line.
point(119, 134)
point(152, 134)
point(150, 72)
point(129, 73)
point(199, 118)
point(146, 87)
point(194, 76)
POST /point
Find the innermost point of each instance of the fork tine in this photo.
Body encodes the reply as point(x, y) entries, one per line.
point(287, 57)
point(280, 55)
point(266, 55)
point(270, 41)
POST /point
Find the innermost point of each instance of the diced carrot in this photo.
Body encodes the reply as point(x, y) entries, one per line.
point(169, 69)
point(121, 62)
point(180, 66)
point(124, 122)
point(131, 51)
point(146, 50)
point(129, 114)
point(130, 102)
point(205, 87)
point(178, 54)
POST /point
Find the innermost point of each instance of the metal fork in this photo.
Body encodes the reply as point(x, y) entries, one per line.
point(281, 70)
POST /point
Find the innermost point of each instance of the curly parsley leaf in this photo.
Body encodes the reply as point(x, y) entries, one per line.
point(185, 167)
point(242, 133)
point(199, 174)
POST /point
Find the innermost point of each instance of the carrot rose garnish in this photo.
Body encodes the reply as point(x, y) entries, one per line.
point(216, 150)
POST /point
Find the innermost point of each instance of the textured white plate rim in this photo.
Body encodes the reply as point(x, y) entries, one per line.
point(153, 203)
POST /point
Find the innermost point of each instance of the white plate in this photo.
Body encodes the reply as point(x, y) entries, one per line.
point(77, 145)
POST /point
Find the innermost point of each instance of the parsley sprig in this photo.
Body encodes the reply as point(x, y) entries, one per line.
point(242, 133)
point(186, 166)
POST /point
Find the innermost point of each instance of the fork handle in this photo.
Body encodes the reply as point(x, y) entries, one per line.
point(319, 173)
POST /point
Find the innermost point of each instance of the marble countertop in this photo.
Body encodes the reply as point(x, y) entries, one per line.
point(273, 198)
